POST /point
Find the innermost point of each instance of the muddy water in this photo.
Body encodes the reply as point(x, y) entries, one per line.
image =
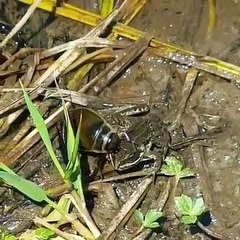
point(213, 102)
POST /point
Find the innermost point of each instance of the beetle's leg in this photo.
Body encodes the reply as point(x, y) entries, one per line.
point(124, 134)
point(112, 159)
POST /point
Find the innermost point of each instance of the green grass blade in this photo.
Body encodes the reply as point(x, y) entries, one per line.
point(26, 187)
point(70, 142)
point(74, 157)
point(42, 129)
point(73, 167)
point(212, 16)
point(6, 168)
point(107, 7)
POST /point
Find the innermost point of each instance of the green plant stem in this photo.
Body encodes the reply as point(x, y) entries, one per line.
point(82, 230)
point(138, 232)
point(175, 184)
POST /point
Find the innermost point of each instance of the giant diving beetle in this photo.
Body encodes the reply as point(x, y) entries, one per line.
point(96, 134)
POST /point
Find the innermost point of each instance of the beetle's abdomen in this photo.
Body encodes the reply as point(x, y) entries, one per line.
point(96, 134)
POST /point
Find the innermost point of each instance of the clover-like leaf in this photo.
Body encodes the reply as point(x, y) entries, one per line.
point(139, 217)
point(10, 237)
point(188, 220)
point(152, 225)
point(150, 219)
point(174, 167)
point(152, 215)
point(186, 172)
point(198, 207)
point(189, 208)
point(184, 204)
point(43, 233)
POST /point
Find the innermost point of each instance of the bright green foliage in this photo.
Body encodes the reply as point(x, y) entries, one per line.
point(107, 7)
point(55, 215)
point(28, 188)
point(42, 129)
point(189, 209)
point(44, 233)
point(10, 237)
point(150, 219)
point(139, 217)
point(6, 236)
point(73, 167)
point(174, 167)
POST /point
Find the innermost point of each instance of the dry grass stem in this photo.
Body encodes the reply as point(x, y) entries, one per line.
point(127, 209)
point(84, 43)
point(21, 23)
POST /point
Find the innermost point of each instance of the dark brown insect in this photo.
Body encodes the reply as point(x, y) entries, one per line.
point(96, 135)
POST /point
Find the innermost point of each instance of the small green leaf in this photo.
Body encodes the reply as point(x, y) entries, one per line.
point(43, 233)
point(152, 216)
point(139, 217)
point(28, 188)
point(186, 172)
point(150, 219)
point(184, 204)
point(198, 207)
point(189, 208)
point(10, 237)
point(187, 220)
point(174, 167)
point(152, 225)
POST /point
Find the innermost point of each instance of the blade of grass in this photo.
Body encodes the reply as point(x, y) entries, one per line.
point(73, 170)
point(77, 225)
point(42, 129)
point(26, 187)
point(212, 16)
point(73, 166)
point(6, 168)
point(74, 163)
point(107, 7)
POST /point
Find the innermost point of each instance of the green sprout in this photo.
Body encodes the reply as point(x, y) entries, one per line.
point(149, 220)
point(4, 235)
point(44, 233)
point(10, 237)
point(174, 167)
point(189, 209)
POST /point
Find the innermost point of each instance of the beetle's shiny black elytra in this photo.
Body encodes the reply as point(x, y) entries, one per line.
point(96, 135)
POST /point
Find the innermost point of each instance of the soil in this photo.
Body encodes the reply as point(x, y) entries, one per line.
point(213, 103)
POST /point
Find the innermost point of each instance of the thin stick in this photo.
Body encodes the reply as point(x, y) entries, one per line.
point(20, 24)
point(209, 232)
